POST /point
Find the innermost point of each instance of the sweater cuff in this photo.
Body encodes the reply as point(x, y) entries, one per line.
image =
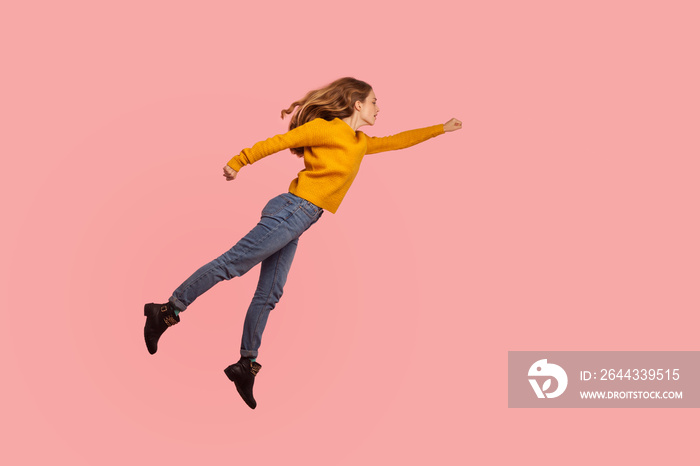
point(235, 164)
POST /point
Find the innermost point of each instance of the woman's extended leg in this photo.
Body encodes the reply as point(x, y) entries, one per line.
point(273, 276)
point(283, 220)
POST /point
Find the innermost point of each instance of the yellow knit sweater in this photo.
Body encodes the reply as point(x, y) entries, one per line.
point(332, 156)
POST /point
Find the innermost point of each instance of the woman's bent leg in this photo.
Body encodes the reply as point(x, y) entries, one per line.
point(261, 242)
point(273, 276)
point(283, 219)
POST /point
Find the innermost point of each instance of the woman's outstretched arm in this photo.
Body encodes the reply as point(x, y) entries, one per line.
point(410, 138)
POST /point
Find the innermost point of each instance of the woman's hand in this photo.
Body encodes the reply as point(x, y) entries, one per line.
point(452, 125)
point(229, 173)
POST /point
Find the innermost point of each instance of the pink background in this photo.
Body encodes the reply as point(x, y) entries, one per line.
point(564, 216)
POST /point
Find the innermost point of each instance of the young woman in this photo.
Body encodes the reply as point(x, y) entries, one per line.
point(324, 132)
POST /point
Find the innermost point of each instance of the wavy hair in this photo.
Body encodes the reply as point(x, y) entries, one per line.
point(335, 100)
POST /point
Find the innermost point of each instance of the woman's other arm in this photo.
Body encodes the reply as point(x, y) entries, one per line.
point(310, 134)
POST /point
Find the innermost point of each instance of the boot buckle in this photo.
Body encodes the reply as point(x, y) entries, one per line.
point(170, 320)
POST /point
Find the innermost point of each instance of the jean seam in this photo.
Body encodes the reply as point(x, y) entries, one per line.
point(205, 274)
point(285, 220)
point(267, 299)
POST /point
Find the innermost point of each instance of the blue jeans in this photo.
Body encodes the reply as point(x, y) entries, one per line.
point(273, 242)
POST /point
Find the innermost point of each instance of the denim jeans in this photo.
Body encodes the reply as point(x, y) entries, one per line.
point(273, 242)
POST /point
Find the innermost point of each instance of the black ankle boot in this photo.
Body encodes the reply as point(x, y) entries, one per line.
point(158, 318)
point(243, 375)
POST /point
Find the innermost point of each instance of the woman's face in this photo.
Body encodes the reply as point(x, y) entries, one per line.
point(369, 109)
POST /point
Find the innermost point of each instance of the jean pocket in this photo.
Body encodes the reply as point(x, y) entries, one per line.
point(275, 206)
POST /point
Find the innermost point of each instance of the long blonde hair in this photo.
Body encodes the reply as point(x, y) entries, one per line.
point(335, 100)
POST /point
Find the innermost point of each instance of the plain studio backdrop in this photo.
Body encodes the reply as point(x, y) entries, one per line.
point(563, 216)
